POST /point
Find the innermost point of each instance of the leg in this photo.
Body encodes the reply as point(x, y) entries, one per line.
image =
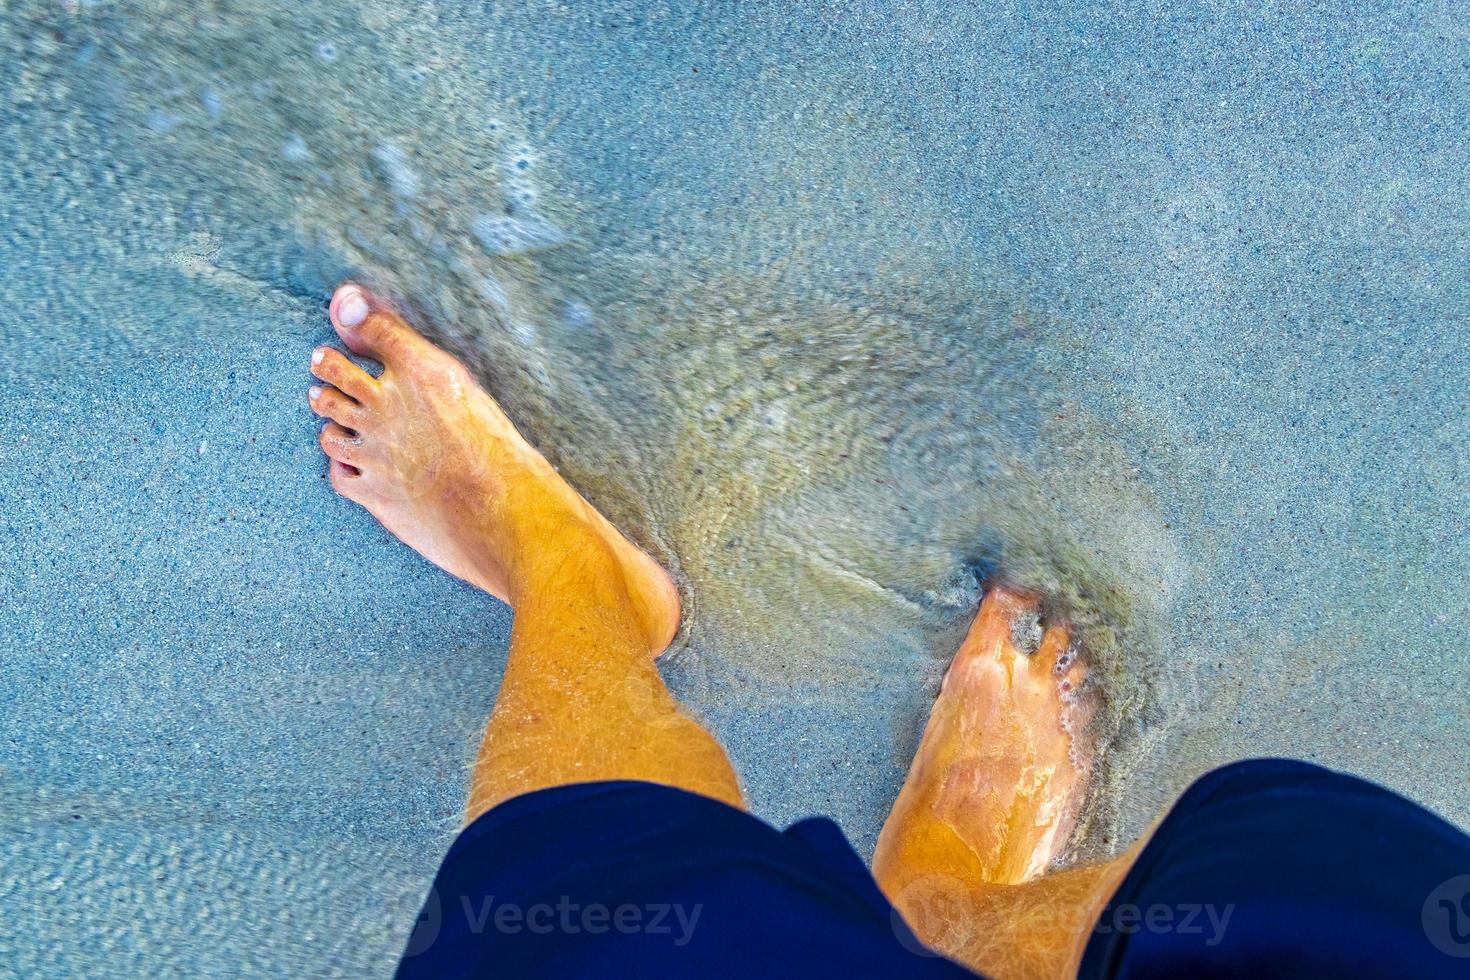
point(992, 798)
point(431, 455)
point(581, 699)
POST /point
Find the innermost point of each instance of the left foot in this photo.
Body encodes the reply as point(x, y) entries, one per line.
point(431, 455)
point(995, 788)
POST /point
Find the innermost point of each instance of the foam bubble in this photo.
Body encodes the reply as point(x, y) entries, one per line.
point(576, 313)
point(294, 149)
point(520, 159)
point(501, 234)
point(492, 291)
point(1067, 659)
point(162, 122)
point(525, 332)
point(1026, 632)
point(521, 195)
point(395, 167)
point(327, 51)
point(213, 104)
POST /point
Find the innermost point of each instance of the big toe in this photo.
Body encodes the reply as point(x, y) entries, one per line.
point(1008, 625)
point(369, 326)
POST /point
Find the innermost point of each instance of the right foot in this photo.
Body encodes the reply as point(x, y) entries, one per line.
point(431, 455)
point(1002, 769)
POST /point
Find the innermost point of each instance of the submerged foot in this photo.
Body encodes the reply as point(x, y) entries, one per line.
point(1000, 775)
point(431, 455)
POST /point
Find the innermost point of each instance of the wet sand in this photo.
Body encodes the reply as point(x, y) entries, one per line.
point(838, 316)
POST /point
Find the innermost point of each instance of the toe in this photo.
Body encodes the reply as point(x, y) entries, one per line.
point(333, 367)
point(1007, 616)
point(368, 326)
point(342, 445)
point(1060, 656)
point(990, 646)
point(346, 480)
point(1055, 652)
point(332, 404)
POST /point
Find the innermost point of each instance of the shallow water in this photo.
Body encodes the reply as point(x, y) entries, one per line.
point(842, 309)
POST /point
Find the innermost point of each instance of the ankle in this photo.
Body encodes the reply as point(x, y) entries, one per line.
point(554, 541)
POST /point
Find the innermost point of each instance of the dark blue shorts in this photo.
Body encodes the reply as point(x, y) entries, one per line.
point(1264, 868)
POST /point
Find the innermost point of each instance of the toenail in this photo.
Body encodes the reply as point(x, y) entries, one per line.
point(317, 355)
point(314, 392)
point(353, 309)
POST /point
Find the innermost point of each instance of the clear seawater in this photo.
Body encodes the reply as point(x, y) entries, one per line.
point(839, 309)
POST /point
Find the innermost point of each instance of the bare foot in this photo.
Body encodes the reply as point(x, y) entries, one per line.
point(431, 455)
point(1000, 775)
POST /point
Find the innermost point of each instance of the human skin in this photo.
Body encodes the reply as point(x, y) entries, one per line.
point(990, 802)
